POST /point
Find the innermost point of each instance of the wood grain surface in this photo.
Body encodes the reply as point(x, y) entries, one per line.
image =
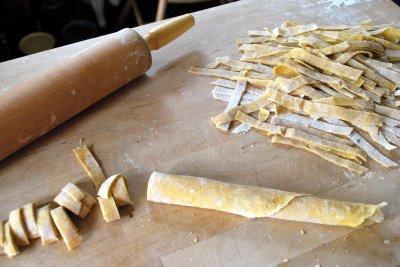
point(161, 122)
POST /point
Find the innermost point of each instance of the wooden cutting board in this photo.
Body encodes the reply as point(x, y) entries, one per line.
point(161, 122)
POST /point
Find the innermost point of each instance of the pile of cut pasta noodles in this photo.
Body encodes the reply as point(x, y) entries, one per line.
point(330, 90)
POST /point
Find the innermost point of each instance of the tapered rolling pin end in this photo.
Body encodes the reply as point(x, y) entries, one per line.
point(169, 31)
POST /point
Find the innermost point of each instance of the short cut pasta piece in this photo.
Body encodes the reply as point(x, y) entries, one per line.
point(108, 209)
point(18, 227)
point(10, 246)
point(66, 228)
point(64, 200)
point(73, 191)
point(28, 213)
point(90, 165)
point(120, 192)
point(105, 190)
point(48, 231)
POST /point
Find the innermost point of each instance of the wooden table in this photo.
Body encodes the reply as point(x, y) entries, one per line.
point(161, 122)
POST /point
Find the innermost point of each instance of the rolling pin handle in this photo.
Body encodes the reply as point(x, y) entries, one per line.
point(169, 31)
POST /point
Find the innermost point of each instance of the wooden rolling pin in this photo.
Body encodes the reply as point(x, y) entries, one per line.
point(32, 108)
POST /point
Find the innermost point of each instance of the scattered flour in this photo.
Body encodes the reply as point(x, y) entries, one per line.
point(349, 174)
point(336, 3)
point(340, 3)
point(371, 175)
point(131, 161)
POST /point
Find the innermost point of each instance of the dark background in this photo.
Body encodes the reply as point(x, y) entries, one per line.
point(21, 17)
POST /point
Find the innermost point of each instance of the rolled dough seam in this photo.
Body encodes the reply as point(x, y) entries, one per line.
point(253, 202)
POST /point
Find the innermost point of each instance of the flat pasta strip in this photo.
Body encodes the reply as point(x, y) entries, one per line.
point(387, 111)
point(294, 30)
point(323, 110)
point(90, 165)
point(270, 129)
point(244, 128)
point(334, 67)
point(47, 229)
point(391, 137)
point(266, 52)
point(289, 66)
point(331, 146)
point(232, 84)
point(240, 65)
point(108, 209)
point(252, 81)
point(356, 91)
point(346, 101)
point(384, 70)
point(234, 100)
point(371, 74)
point(366, 146)
point(241, 128)
point(336, 48)
point(66, 228)
point(390, 122)
point(289, 85)
point(393, 130)
point(10, 246)
point(224, 94)
point(308, 91)
point(18, 228)
point(393, 55)
point(253, 202)
point(255, 47)
point(280, 121)
point(29, 216)
point(253, 40)
point(371, 151)
point(253, 106)
point(319, 125)
point(380, 139)
point(328, 156)
point(267, 60)
point(328, 90)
